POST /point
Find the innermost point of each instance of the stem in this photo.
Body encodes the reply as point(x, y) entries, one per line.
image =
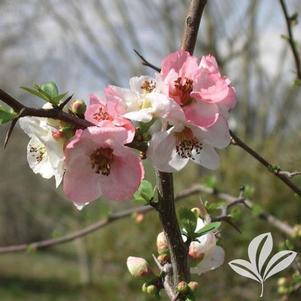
point(167, 213)
point(262, 289)
point(166, 206)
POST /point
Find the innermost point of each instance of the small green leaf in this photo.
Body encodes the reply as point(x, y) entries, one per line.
point(249, 191)
point(145, 193)
point(208, 228)
point(215, 205)
point(6, 115)
point(188, 220)
point(50, 88)
point(35, 92)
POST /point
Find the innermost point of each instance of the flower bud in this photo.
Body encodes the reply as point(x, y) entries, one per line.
point(57, 134)
point(162, 245)
point(182, 287)
point(152, 289)
point(197, 211)
point(78, 107)
point(282, 281)
point(193, 285)
point(163, 258)
point(138, 217)
point(138, 267)
point(196, 252)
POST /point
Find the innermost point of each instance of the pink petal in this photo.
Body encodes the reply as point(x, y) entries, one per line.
point(201, 114)
point(174, 61)
point(209, 62)
point(125, 177)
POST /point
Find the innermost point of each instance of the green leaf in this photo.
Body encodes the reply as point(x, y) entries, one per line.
point(215, 205)
point(50, 88)
point(208, 228)
point(145, 193)
point(188, 221)
point(249, 191)
point(35, 92)
point(6, 115)
point(210, 181)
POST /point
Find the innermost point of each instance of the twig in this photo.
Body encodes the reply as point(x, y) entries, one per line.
point(289, 174)
point(291, 39)
point(146, 62)
point(274, 170)
point(90, 229)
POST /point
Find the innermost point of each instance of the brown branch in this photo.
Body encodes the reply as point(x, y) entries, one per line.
point(289, 21)
point(274, 170)
point(55, 113)
point(192, 24)
point(145, 62)
point(166, 207)
point(90, 229)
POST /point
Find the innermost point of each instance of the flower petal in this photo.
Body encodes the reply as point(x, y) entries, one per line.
point(207, 157)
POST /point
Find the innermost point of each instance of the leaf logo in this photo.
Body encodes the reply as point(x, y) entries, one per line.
point(260, 267)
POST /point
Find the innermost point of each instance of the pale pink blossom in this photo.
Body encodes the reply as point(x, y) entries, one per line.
point(138, 266)
point(172, 149)
point(98, 164)
point(199, 88)
point(104, 111)
point(143, 101)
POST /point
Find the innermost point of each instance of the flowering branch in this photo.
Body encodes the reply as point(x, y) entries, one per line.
point(289, 22)
point(166, 208)
point(283, 176)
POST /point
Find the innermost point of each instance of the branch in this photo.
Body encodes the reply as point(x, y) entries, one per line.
point(291, 40)
point(274, 170)
point(55, 113)
point(90, 229)
point(146, 62)
point(166, 207)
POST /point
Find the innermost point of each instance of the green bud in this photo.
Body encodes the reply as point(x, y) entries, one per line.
point(78, 107)
point(182, 287)
point(152, 289)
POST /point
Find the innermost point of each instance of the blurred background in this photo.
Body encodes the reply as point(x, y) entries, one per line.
point(83, 46)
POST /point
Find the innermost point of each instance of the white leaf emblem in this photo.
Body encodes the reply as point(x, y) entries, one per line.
point(259, 268)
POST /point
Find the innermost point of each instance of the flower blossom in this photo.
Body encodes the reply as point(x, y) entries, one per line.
point(198, 88)
point(106, 111)
point(205, 255)
point(144, 101)
point(45, 153)
point(172, 149)
point(99, 164)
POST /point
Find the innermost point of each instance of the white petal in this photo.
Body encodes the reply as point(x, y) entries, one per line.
point(38, 159)
point(137, 82)
point(162, 152)
point(207, 157)
point(32, 126)
point(210, 262)
point(144, 115)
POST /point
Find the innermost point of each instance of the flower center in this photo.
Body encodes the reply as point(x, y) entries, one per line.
point(186, 143)
point(184, 86)
point(101, 160)
point(148, 86)
point(39, 152)
point(101, 114)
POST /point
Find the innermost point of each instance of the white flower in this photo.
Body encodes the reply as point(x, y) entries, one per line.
point(171, 150)
point(45, 154)
point(205, 252)
point(144, 101)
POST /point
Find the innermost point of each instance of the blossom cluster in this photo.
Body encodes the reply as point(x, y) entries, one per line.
point(179, 114)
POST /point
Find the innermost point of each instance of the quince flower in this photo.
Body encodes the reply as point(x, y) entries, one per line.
point(144, 101)
point(172, 149)
point(198, 88)
point(45, 153)
point(99, 164)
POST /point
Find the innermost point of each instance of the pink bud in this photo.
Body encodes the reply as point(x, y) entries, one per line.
point(182, 287)
point(162, 245)
point(78, 107)
point(196, 252)
point(137, 266)
point(193, 285)
point(56, 134)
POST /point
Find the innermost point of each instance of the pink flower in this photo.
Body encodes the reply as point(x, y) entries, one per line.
point(172, 149)
point(138, 266)
point(102, 112)
point(98, 164)
point(199, 88)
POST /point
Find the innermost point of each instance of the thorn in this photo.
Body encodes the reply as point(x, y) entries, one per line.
point(62, 105)
point(11, 127)
point(9, 132)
